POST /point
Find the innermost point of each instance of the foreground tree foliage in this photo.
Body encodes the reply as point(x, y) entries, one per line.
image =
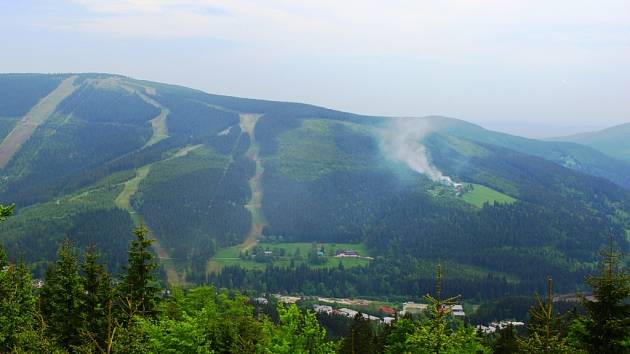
point(606, 326)
point(439, 334)
point(544, 336)
point(82, 309)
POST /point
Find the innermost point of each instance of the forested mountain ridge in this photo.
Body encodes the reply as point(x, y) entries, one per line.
point(111, 152)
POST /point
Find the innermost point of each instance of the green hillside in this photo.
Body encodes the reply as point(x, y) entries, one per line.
point(212, 175)
point(581, 158)
point(613, 141)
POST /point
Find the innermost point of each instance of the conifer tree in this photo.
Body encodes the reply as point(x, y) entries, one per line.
point(18, 307)
point(361, 337)
point(439, 334)
point(507, 342)
point(61, 299)
point(97, 299)
point(544, 336)
point(606, 326)
point(138, 289)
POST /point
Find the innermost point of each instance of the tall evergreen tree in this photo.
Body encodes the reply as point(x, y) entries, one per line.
point(606, 326)
point(361, 337)
point(138, 289)
point(62, 297)
point(544, 336)
point(17, 303)
point(507, 342)
point(97, 299)
point(439, 334)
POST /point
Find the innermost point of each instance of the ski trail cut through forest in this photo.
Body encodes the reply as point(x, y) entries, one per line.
point(158, 124)
point(248, 125)
point(123, 201)
point(33, 119)
point(254, 205)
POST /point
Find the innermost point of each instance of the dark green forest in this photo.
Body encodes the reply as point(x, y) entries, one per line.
point(79, 307)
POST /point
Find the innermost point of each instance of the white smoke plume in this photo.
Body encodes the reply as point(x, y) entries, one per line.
point(402, 141)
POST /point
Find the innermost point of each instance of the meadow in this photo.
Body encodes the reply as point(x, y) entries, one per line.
point(231, 256)
point(480, 195)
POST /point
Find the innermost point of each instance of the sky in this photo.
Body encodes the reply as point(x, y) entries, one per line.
point(533, 68)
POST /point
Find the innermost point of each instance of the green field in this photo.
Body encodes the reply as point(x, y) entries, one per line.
point(482, 194)
point(230, 256)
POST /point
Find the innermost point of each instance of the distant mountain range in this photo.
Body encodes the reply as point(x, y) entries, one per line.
point(89, 156)
point(613, 141)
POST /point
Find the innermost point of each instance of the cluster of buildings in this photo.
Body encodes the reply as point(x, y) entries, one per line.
point(408, 308)
point(414, 309)
point(497, 326)
point(345, 312)
point(350, 254)
point(389, 313)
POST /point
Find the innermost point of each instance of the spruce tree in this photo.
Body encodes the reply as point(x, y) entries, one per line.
point(507, 342)
point(97, 299)
point(138, 289)
point(361, 337)
point(61, 299)
point(18, 307)
point(606, 326)
point(440, 334)
point(544, 336)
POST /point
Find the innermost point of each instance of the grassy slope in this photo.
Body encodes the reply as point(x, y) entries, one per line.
point(310, 151)
point(482, 194)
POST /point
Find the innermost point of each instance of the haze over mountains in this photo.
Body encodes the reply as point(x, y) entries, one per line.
point(87, 156)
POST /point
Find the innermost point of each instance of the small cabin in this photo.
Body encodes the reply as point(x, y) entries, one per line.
point(346, 253)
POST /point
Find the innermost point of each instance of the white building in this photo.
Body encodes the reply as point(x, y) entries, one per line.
point(458, 311)
point(388, 320)
point(323, 309)
point(347, 312)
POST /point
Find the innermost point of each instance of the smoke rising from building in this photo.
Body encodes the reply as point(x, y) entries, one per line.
point(401, 141)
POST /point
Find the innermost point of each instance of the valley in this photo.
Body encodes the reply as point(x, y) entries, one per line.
point(316, 255)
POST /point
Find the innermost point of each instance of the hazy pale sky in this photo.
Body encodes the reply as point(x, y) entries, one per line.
point(537, 68)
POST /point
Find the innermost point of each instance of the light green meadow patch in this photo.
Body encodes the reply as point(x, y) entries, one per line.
point(230, 256)
point(482, 194)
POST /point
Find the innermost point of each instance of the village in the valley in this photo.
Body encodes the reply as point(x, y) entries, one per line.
point(378, 312)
